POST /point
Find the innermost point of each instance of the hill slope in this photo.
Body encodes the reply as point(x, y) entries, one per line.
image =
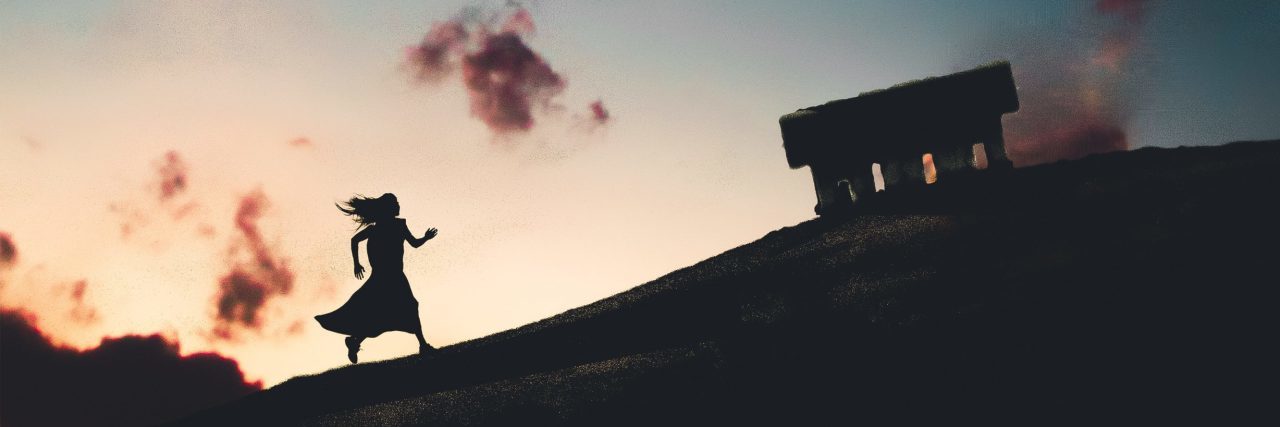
point(1130, 285)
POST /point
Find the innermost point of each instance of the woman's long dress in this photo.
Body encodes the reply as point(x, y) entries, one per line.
point(385, 302)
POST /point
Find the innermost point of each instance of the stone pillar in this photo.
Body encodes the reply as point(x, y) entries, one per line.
point(902, 173)
point(826, 185)
point(953, 159)
point(862, 181)
point(891, 172)
point(993, 143)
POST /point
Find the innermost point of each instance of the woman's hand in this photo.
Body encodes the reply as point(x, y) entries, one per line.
point(359, 271)
point(430, 234)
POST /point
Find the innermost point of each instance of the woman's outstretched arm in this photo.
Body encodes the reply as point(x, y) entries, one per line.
point(355, 251)
point(416, 242)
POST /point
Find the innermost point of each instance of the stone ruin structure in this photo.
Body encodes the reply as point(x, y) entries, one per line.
point(945, 117)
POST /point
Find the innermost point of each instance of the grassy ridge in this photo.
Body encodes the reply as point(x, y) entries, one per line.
point(1130, 285)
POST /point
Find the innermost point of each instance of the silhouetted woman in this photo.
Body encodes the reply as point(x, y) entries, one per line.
point(385, 302)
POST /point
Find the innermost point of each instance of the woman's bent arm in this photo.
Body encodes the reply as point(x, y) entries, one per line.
point(355, 251)
point(416, 242)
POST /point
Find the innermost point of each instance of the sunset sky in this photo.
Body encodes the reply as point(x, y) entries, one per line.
point(149, 150)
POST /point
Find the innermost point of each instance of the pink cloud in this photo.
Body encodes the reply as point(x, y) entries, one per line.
point(301, 142)
point(81, 311)
point(257, 274)
point(8, 250)
point(172, 172)
point(1072, 106)
point(507, 82)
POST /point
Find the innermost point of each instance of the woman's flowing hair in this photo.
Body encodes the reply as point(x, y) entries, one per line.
point(368, 210)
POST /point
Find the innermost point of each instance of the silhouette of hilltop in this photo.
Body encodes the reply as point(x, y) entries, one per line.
point(1119, 288)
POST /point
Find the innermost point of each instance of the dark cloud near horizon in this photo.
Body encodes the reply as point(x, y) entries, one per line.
point(8, 251)
point(129, 380)
point(1075, 104)
point(257, 274)
point(507, 82)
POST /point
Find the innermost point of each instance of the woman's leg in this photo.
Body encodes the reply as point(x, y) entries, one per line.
point(423, 347)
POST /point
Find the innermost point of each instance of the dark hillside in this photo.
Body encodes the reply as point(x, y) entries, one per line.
point(1133, 286)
